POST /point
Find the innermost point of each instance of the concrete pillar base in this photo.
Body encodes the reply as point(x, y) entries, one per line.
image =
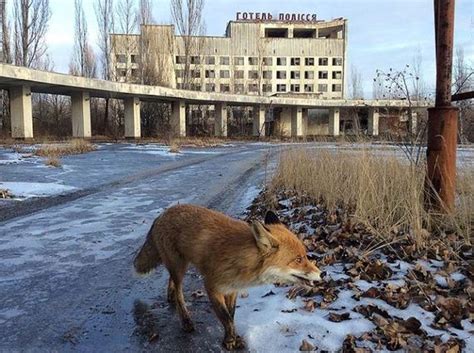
point(21, 113)
point(178, 118)
point(258, 126)
point(220, 120)
point(132, 118)
point(334, 122)
point(81, 115)
point(373, 123)
point(296, 122)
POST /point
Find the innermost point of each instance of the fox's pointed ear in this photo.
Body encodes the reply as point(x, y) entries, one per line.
point(271, 218)
point(266, 242)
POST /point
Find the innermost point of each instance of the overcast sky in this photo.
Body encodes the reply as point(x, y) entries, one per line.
point(382, 33)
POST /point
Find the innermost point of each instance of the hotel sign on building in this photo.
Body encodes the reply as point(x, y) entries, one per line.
point(266, 16)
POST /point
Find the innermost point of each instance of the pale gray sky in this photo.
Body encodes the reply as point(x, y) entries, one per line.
point(382, 33)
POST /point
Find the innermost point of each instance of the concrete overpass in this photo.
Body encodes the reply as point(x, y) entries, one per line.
point(21, 82)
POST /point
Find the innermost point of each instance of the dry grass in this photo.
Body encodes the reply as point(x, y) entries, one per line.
point(174, 147)
point(76, 146)
point(5, 194)
point(53, 162)
point(383, 193)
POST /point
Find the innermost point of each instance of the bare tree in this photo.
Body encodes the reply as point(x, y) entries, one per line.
point(145, 12)
point(463, 80)
point(6, 55)
point(356, 91)
point(187, 17)
point(105, 23)
point(83, 58)
point(31, 23)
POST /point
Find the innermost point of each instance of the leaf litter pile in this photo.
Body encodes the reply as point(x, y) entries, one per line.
point(376, 296)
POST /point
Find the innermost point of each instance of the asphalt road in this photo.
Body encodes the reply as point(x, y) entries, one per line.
point(66, 278)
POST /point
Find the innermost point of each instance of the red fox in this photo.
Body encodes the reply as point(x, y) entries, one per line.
point(230, 254)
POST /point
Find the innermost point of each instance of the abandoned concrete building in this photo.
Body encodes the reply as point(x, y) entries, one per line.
point(302, 58)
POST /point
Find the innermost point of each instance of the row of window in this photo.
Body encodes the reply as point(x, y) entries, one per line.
point(253, 60)
point(122, 58)
point(253, 87)
point(253, 74)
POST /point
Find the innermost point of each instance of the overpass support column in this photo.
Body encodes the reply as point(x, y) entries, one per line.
point(81, 114)
point(413, 122)
point(21, 112)
point(220, 120)
point(178, 118)
point(373, 127)
point(132, 118)
point(258, 125)
point(296, 121)
point(334, 121)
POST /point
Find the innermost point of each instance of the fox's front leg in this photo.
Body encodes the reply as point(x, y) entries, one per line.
point(218, 301)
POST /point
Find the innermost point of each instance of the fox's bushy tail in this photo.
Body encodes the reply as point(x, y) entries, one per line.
point(148, 258)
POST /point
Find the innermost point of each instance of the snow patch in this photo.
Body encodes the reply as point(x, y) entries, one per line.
point(27, 190)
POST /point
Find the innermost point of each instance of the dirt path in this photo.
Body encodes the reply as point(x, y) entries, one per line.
point(66, 282)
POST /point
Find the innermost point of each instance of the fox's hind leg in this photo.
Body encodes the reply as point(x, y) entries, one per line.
point(171, 292)
point(177, 268)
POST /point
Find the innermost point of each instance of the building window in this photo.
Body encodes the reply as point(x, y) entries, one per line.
point(308, 88)
point(239, 61)
point(210, 74)
point(225, 74)
point(281, 88)
point(195, 87)
point(295, 88)
point(267, 75)
point(121, 58)
point(180, 85)
point(180, 59)
point(253, 60)
point(267, 87)
point(337, 61)
point(281, 75)
point(337, 75)
point(196, 73)
point(309, 75)
point(253, 74)
point(309, 61)
point(134, 72)
point(276, 32)
point(323, 61)
point(225, 60)
point(322, 87)
point(295, 61)
point(239, 88)
point(179, 73)
point(295, 75)
point(195, 60)
point(337, 88)
point(267, 61)
point(210, 87)
point(253, 87)
point(225, 88)
point(238, 74)
point(123, 73)
point(281, 61)
point(133, 59)
point(210, 60)
point(323, 75)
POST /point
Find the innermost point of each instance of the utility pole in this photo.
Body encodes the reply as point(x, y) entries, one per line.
point(443, 118)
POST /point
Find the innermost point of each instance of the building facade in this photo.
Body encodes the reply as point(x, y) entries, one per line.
point(258, 56)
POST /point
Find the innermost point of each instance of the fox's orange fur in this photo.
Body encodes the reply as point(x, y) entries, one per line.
point(230, 254)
